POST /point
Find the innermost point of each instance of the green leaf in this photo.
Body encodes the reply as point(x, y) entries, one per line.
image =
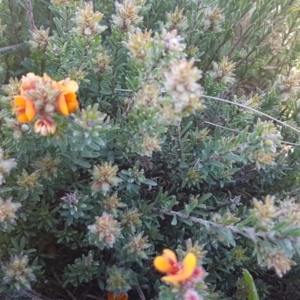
point(149, 182)
point(174, 221)
point(250, 284)
point(204, 197)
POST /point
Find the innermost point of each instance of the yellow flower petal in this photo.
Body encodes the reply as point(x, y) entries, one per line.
point(72, 86)
point(170, 254)
point(68, 85)
point(162, 265)
point(189, 264)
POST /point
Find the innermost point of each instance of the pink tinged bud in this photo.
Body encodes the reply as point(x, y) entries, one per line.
point(191, 295)
point(198, 274)
point(173, 44)
point(110, 239)
point(44, 126)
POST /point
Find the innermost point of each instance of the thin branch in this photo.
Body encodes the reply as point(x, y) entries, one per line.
point(237, 104)
point(227, 128)
point(294, 192)
point(252, 109)
point(12, 47)
point(179, 150)
point(59, 281)
point(140, 292)
point(247, 232)
point(240, 105)
point(30, 15)
point(94, 297)
point(13, 22)
point(239, 131)
point(33, 295)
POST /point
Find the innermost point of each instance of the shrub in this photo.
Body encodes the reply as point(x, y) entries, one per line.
point(145, 137)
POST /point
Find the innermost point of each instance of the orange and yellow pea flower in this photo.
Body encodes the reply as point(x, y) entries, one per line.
point(110, 296)
point(176, 272)
point(24, 109)
point(67, 99)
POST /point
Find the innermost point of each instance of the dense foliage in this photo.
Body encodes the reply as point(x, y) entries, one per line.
point(132, 130)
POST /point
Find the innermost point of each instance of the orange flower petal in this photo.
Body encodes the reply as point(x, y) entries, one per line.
point(24, 109)
point(19, 101)
point(174, 278)
point(30, 110)
point(62, 105)
point(188, 266)
point(71, 100)
point(22, 118)
point(110, 296)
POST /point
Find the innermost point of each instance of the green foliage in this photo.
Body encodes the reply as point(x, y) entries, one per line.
point(186, 138)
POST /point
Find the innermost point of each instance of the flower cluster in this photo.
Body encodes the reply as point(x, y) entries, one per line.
point(138, 43)
point(8, 211)
point(281, 38)
point(266, 212)
point(47, 166)
point(126, 17)
point(185, 274)
point(17, 273)
point(183, 88)
point(5, 166)
point(172, 41)
point(118, 282)
point(264, 140)
point(112, 203)
point(278, 260)
point(104, 177)
point(148, 96)
point(176, 20)
point(280, 221)
point(150, 144)
point(41, 97)
point(105, 231)
point(29, 182)
point(90, 126)
point(288, 86)
point(137, 246)
point(39, 39)
point(101, 63)
point(19, 129)
point(213, 19)
point(223, 72)
point(87, 21)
